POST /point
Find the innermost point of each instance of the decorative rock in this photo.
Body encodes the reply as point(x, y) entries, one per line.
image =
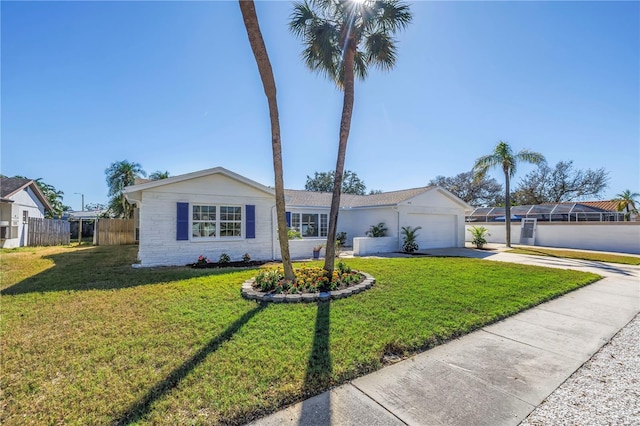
point(293, 298)
point(278, 298)
point(337, 294)
point(309, 297)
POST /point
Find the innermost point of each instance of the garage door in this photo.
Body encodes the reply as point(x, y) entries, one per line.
point(437, 230)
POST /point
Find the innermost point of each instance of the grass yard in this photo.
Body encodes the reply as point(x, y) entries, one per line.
point(86, 339)
point(581, 255)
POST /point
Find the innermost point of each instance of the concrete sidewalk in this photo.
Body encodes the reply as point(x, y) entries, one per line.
point(494, 376)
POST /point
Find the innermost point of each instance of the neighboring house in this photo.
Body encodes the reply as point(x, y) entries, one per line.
point(569, 211)
point(20, 199)
point(216, 211)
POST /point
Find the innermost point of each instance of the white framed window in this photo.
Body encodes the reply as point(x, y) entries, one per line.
point(310, 225)
point(215, 221)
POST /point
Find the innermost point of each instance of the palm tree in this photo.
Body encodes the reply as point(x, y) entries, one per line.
point(342, 38)
point(269, 84)
point(119, 175)
point(159, 175)
point(504, 157)
point(627, 202)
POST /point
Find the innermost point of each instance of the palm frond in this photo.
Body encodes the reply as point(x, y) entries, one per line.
point(301, 18)
point(380, 50)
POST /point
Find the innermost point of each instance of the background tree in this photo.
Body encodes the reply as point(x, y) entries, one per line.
point(627, 202)
point(484, 191)
point(503, 157)
point(53, 195)
point(324, 181)
point(119, 175)
point(261, 56)
point(342, 39)
point(158, 175)
point(95, 206)
point(559, 184)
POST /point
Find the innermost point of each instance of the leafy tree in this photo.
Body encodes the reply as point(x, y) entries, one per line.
point(342, 39)
point(481, 192)
point(559, 184)
point(627, 202)
point(261, 56)
point(323, 182)
point(158, 175)
point(119, 175)
point(409, 237)
point(503, 157)
point(375, 191)
point(95, 206)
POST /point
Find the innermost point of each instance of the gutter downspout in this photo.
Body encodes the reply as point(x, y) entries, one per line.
point(273, 236)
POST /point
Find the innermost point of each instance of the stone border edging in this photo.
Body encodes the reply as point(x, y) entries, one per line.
point(248, 292)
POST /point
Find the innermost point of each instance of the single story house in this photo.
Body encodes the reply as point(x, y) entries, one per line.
point(20, 199)
point(217, 211)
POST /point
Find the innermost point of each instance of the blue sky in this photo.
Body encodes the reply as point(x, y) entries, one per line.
point(174, 86)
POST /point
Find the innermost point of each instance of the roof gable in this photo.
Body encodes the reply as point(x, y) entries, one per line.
point(11, 186)
point(131, 190)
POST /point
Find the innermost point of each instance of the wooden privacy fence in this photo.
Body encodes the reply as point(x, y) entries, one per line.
point(48, 232)
point(114, 232)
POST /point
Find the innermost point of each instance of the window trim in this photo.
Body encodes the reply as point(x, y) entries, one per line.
point(217, 222)
point(296, 219)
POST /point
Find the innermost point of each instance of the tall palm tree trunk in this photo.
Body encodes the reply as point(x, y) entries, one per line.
point(507, 208)
point(345, 127)
point(268, 82)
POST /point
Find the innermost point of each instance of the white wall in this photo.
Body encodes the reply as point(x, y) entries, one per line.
point(24, 200)
point(623, 237)
point(363, 246)
point(302, 248)
point(158, 215)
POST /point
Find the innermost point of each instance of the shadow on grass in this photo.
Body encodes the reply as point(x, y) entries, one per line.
point(317, 378)
point(142, 407)
point(102, 268)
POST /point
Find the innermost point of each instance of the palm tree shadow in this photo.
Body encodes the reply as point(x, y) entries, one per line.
point(143, 406)
point(316, 410)
point(101, 268)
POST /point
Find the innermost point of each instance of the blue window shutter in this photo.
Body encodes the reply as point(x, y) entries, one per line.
point(182, 233)
point(250, 211)
point(288, 214)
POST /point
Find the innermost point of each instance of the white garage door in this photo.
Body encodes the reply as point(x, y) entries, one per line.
point(437, 230)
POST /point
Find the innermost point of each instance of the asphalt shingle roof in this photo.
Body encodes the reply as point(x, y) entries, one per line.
point(9, 186)
point(323, 199)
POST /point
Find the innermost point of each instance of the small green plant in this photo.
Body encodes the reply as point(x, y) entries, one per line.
point(478, 233)
point(246, 258)
point(224, 258)
point(202, 260)
point(343, 268)
point(379, 230)
point(293, 234)
point(269, 279)
point(341, 238)
point(409, 236)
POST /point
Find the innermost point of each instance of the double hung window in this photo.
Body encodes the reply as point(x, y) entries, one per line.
point(213, 221)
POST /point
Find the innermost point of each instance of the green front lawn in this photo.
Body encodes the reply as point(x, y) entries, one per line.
point(86, 339)
point(581, 255)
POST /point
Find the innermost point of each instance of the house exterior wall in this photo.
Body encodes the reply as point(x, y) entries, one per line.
point(441, 219)
point(13, 213)
point(158, 222)
point(622, 237)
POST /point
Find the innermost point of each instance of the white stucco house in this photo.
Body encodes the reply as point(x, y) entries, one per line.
point(217, 211)
point(20, 199)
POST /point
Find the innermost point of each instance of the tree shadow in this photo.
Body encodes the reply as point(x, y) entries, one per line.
point(142, 407)
point(102, 268)
point(318, 375)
